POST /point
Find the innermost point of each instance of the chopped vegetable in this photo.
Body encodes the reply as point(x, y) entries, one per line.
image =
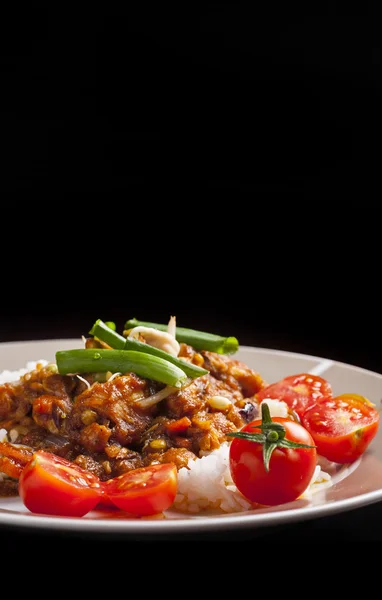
point(299, 392)
point(179, 425)
point(13, 459)
point(53, 485)
point(102, 332)
point(197, 339)
point(342, 427)
point(191, 370)
point(159, 339)
point(146, 491)
point(97, 360)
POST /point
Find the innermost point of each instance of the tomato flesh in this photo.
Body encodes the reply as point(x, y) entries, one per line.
point(52, 485)
point(342, 427)
point(290, 470)
point(105, 503)
point(146, 491)
point(299, 392)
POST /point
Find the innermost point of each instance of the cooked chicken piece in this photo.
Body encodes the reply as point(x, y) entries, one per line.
point(103, 428)
point(233, 373)
point(115, 406)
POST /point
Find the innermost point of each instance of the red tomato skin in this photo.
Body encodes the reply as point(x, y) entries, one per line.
point(299, 392)
point(144, 492)
point(105, 503)
point(290, 470)
point(344, 446)
point(43, 492)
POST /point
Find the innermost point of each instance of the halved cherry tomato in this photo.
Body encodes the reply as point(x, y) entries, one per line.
point(290, 470)
point(52, 485)
point(144, 491)
point(105, 503)
point(342, 427)
point(299, 392)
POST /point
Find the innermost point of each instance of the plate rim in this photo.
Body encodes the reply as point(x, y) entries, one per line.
point(264, 349)
point(188, 525)
point(207, 523)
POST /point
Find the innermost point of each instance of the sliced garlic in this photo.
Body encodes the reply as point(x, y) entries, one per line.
point(159, 339)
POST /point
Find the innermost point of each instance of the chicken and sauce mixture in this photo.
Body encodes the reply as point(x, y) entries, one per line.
point(106, 428)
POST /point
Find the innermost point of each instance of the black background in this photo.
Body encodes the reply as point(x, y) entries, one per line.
point(213, 162)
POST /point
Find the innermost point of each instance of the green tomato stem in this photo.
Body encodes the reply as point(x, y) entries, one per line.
point(272, 436)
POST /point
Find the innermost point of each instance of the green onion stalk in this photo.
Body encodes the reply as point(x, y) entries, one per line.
point(101, 331)
point(120, 361)
point(106, 334)
point(197, 339)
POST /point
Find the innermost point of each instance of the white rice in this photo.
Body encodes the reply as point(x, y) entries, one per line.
point(10, 376)
point(206, 482)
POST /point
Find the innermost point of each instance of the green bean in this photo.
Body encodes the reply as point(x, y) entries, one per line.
point(97, 360)
point(102, 332)
point(199, 340)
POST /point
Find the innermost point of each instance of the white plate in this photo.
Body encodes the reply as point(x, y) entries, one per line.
point(353, 487)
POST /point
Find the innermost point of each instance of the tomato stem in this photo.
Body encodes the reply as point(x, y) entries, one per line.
point(272, 436)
